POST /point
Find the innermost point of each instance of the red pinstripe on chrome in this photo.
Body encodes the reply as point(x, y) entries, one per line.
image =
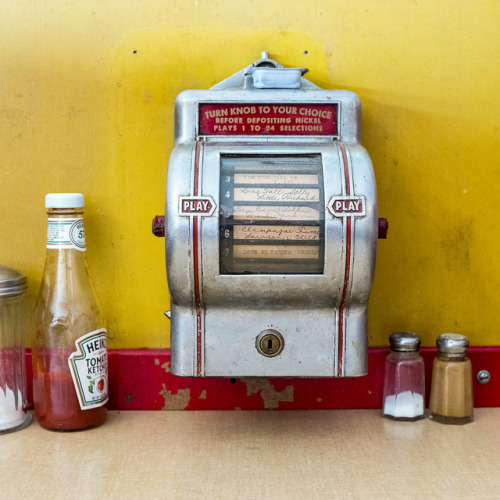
point(347, 271)
point(196, 264)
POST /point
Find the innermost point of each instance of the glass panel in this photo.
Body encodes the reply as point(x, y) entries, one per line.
point(271, 218)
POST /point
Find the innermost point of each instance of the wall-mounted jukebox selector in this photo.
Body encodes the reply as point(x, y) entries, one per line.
point(269, 343)
point(270, 219)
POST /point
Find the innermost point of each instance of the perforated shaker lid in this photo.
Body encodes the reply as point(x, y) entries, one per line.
point(12, 282)
point(452, 343)
point(404, 341)
point(64, 200)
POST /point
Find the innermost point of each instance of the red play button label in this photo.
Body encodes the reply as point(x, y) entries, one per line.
point(347, 206)
point(196, 205)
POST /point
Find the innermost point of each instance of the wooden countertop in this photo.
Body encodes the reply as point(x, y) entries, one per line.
point(257, 455)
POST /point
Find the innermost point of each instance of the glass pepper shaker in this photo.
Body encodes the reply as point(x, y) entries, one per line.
point(451, 389)
point(404, 382)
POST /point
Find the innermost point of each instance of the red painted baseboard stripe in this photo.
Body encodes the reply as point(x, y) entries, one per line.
point(140, 379)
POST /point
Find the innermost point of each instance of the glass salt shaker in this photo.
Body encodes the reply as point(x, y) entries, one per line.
point(451, 389)
point(404, 382)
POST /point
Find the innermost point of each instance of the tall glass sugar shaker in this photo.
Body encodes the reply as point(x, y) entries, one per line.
point(14, 414)
point(404, 381)
point(451, 399)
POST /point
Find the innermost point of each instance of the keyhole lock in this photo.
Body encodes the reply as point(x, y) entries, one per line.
point(269, 343)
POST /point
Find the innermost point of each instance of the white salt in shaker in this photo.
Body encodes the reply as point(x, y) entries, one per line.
point(404, 382)
point(14, 414)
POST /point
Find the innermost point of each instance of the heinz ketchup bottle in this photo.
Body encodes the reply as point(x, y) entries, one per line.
point(70, 361)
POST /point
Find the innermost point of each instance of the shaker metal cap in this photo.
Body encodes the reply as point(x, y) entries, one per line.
point(12, 282)
point(452, 343)
point(64, 200)
point(404, 341)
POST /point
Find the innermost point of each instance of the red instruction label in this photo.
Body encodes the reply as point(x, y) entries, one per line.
point(268, 119)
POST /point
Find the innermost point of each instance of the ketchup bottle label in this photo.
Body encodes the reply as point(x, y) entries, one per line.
point(66, 233)
point(89, 368)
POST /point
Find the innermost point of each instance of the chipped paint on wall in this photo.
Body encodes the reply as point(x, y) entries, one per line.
point(178, 401)
point(269, 394)
point(137, 382)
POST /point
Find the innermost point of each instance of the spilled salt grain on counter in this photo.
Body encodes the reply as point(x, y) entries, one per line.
point(10, 416)
point(405, 405)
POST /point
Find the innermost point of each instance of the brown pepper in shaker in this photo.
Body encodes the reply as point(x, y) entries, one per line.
point(451, 389)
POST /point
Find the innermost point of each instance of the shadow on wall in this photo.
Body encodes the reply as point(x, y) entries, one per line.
point(150, 68)
point(434, 271)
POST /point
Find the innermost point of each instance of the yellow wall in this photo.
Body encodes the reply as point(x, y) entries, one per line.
point(86, 99)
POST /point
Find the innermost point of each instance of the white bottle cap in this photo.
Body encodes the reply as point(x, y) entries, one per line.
point(64, 200)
